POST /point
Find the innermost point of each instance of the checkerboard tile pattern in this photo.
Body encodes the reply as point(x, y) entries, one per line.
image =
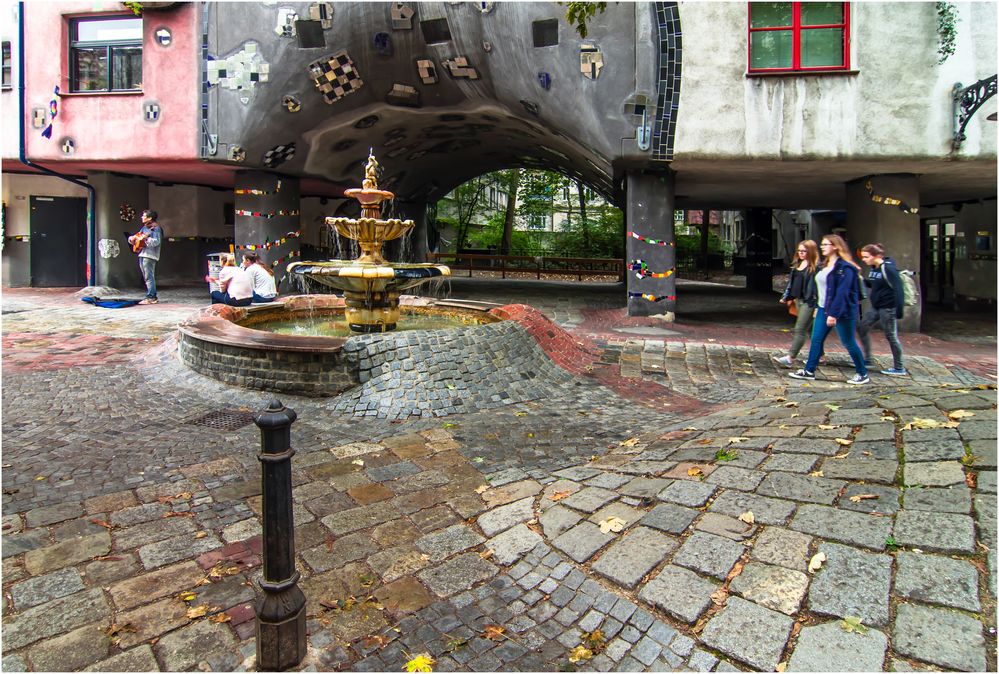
point(335, 76)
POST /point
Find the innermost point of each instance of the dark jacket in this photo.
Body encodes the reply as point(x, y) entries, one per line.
point(886, 287)
point(802, 288)
point(843, 291)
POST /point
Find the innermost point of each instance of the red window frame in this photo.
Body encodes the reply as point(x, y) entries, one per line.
point(796, 29)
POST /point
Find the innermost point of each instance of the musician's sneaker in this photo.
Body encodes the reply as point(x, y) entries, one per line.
point(149, 300)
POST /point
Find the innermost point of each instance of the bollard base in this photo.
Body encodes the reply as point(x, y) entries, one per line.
point(281, 640)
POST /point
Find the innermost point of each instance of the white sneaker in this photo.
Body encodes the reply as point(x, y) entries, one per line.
point(786, 361)
point(857, 380)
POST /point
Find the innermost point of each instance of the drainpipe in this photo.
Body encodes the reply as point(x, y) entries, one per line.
point(91, 192)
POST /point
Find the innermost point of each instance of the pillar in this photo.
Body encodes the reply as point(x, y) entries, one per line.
point(759, 250)
point(267, 210)
point(868, 221)
point(117, 265)
point(650, 238)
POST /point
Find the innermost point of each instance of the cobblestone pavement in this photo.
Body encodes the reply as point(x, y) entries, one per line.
point(488, 540)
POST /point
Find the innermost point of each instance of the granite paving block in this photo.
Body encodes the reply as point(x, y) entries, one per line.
point(687, 493)
point(41, 589)
point(458, 574)
point(577, 473)
point(556, 520)
point(344, 550)
point(774, 587)
point(987, 481)
point(725, 526)
point(953, 499)
point(805, 446)
point(940, 580)
point(885, 503)
point(985, 515)
point(189, 647)
point(46, 515)
point(711, 555)
point(843, 526)
point(15, 544)
point(172, 550)
point(589, 499)
point(511, 545)
point(679, 592)
point(782, 547)
point(582, 541)
point(869, 470)
point(749, 633)
point(800, 488)
point(619, 510)
point(504, 517)
point(945, 638)
point(72, 651)
point(138, 659)
point(66, 553)
point(791, 463)
point(644, 487)
point(608, 480)
point(701, 661)
point(940, 532)
point(637, 553)
point(139, 589)
point(876, 431)
point(735, 478)
point(851, 583)
point(950, 449)
point(830, 648)
point(446, 542)
point(669, 517)
point(54, 617)
point(765, 510)
point(934, 474)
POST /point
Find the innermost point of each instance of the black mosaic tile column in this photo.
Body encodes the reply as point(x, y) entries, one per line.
point(267, 218)
point(650, 239)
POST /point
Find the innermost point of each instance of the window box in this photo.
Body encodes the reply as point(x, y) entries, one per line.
point(798, 37)
point(105, 54)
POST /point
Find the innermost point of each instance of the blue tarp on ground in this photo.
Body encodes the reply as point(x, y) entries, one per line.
point(111, 303)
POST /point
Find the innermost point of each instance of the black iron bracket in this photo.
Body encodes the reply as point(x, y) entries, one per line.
point(967, 101)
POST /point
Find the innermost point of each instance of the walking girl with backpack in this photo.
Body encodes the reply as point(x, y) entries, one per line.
point(801, 298)
point(888, 303)
point(838, 287)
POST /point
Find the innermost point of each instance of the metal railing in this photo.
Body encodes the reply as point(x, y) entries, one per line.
point(534, 264)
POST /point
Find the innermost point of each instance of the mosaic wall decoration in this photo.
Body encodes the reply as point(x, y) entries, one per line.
point(291, 104)
point(108, 248)
point(427, 71)
point(366, 122)
point(545, 80)
point(485, 7)
point(668, 92)
point(53, 113)
point(335, 76)
point(68, 146)
point(38, 117)
point(402, 16)
point(236, 153)
point(591, 61)
point(404, 95)
point(163, 36)
point(531, 107)
point(435, 30)
point(888, 201)
point(310, 34)
point(383, 44)
point(458, 67)
point(638, 105)
point(545, 32)
point(151, 111)
point(286, 22)
point(487, 47)
point(126, 213)
point(279, 155)
point(240, 71)
point(323, 13)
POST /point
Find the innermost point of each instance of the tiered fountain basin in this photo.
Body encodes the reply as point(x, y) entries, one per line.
point(228, 343)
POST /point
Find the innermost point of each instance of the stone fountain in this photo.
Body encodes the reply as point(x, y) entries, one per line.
point(371, 285)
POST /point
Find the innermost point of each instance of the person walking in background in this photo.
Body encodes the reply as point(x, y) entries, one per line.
point(838, 288)
point(264, 287)
point(147, 242)
point(888, 301)
point(235, 284)
point(802, 294)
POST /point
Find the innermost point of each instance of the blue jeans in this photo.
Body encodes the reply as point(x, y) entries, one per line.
point(147, 266)
point(845, 330)
point(257, 299)
point(219, 297)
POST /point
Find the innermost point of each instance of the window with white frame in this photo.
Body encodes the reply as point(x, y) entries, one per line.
point(105, 54)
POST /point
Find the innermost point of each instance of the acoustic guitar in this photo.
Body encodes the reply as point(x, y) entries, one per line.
point(139, 242)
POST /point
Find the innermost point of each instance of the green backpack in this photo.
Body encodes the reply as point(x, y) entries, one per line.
point(910, 293)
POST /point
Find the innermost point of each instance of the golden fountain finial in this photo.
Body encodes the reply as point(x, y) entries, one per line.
point(370, 181)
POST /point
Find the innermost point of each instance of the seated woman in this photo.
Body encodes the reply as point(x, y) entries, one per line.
point(264, 287)
point(235, 284)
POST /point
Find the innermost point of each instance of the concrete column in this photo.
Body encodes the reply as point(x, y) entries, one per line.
point(120, 268)
point(267, 208)
point(416, 248)
point(649, 215)
point(759, 249)
point(868, 221)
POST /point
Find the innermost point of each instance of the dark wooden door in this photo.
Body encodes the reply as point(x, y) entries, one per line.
point(58, 242)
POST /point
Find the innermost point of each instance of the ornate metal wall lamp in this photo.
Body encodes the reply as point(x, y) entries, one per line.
point(967, 101)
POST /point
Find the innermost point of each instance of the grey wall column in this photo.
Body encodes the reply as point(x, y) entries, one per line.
point(120, 268)
point(649, 215)
point(868, 221)
point(759, 249)
point(416, 248)
point(267, 209)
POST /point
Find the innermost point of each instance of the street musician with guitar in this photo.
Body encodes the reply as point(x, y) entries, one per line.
point(147, 242)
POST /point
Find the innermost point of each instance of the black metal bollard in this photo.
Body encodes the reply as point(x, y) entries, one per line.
point(281, 641)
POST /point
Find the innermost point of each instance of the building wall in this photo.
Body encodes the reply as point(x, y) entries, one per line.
point(895, 103)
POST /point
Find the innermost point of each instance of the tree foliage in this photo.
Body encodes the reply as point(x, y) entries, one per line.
point(578, 13)
point(946, 30)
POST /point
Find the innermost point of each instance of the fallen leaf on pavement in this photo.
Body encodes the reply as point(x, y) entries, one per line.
point(790, 404)
point(220, 618)
point(579, 654)
point(832, 407)
point(842, 456)
point(719, 596)
point(358, 462)
point(748, 517)
point(174, 513)
point(101, 523)
point(420, 663)
point(783, 427)
point(559, 495)
point(196, 612)
point(612, 524)
point(826, 427)
point(481, 488)
point(694, 472)
point(815, 563)
point(863, 497)
point(919, 422)
point(781, 667)
point(630, 442)
point(493, 632)
point(851, 623)
point(844, 442)
point(374, 641)
point(960, 414)
point(187, 596)
point(971, 480)
point(737, 440)
point(816, 473)
point(201, 534)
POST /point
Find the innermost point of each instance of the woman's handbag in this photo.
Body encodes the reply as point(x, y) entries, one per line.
point(792, 307)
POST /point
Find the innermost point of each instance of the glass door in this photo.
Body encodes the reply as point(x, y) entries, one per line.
point(938, 244)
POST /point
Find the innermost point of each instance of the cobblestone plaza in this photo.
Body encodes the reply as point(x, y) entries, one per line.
point(660, 494)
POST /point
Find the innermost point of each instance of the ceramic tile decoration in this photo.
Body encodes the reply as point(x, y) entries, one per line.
point(291, 104)
point(427, 71)
point(404, 95)
point(279, 155)
point(383, 44)
point(591, 61)
point(335, 76)
point(108, 248)
point(151, 111)
point(286, 22)
point(638, 105)
point(487, 47)
point(240, 71)
point(163, 36)
point(435, 30)
point(402, 16)
point(310, 34)
point(236, 153)
point(545, 80)
point(485, 7)
point(38, 116)
point(68, 146)
point(323, 13)
point(530, 107)
point(458, 67)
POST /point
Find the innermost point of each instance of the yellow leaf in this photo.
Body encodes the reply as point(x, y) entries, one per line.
point(520, 414)
point(842, 456)
point(790, 404)
point(493, 632)
point(844, 442)
point(826, 427)
point(481, 488)
point(630, 442)
point(579, 654)
point(559, 495)
point(358, 462)
point(815, 563)
point(919, 422)
point(748, 517)
point(887, 418)
point(694, 472)
point(781, 667)
point(220, 618)
point(610, 524)
point(816, 473)
point(196, 611)
point(201, 534)
point(40, 477)
point(783, 427)
point(852, 624)
point(960, 414)
point(421, 663)
point(795, 415)
point(187, 596)
point(863, 497)
point(737, 440)
point(690, 428)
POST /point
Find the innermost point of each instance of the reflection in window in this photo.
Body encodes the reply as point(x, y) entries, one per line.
point(7, 82)
point(105, 54)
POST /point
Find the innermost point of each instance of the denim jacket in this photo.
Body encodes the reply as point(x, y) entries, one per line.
point(843, 291)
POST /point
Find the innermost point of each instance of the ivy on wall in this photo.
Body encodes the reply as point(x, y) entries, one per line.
point(946, 30)
point(578, 13)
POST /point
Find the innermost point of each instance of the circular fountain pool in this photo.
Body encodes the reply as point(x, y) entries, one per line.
point(333, 322)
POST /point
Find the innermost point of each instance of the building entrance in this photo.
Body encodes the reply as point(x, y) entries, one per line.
point(938, 260)
point(58, 241)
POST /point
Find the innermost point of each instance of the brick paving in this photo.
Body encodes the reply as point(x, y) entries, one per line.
point(416, 535)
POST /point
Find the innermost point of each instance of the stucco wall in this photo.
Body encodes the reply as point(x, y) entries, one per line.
point(895, 103)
